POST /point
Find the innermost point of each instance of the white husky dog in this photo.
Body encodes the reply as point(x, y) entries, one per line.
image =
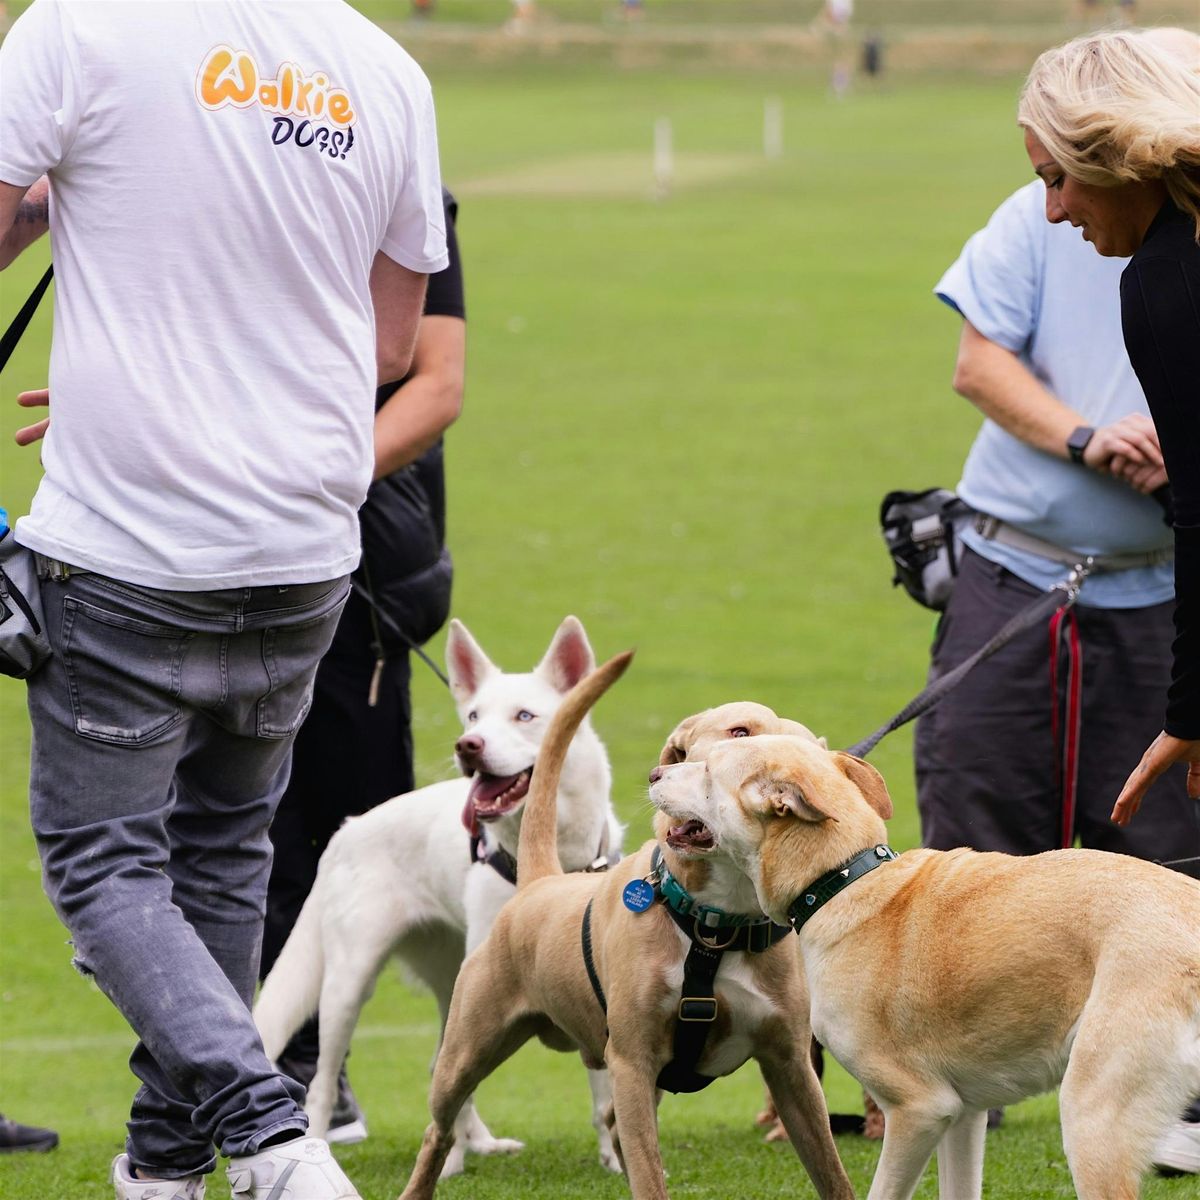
point(423, 875)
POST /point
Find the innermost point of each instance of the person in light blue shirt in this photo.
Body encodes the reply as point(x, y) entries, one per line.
point(1026, 755)
point(1035, 293)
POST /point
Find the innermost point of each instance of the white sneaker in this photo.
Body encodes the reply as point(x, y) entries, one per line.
point(303, 1169)
point(129, 1188)
point(1178, 1150)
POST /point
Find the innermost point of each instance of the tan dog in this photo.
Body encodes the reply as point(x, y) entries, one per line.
point(691, 741)
point(694, 737)
point(530, 979)
point(996, 977)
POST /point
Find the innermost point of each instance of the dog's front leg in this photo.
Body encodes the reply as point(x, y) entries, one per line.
point(601, 1087)
point(462, 1064)
point(635, 1102)
point(800, 1104)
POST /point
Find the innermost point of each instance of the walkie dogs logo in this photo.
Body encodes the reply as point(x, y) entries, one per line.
point(308, 110)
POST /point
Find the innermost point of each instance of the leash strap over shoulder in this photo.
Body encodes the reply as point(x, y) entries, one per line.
point(1061, 596)
point(12, 335)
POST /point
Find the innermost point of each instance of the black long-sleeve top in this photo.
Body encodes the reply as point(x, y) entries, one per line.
point(1160, 316)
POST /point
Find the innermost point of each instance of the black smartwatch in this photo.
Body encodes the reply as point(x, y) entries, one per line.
point(1077, 443)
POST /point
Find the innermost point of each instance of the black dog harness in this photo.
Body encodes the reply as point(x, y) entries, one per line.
point(712, 933)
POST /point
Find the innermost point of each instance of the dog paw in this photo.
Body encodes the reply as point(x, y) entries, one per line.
point(497, 1146)
point(768, 1116)
point(776, 1133)
point(610, 1160)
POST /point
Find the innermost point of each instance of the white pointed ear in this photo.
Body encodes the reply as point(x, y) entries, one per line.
point(787, 798)
point(466, 664)
point(569, 657)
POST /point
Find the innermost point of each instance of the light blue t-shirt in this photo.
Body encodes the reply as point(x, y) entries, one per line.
point(1042, 292)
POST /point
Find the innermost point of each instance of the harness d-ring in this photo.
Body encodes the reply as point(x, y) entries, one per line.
point(711, 943)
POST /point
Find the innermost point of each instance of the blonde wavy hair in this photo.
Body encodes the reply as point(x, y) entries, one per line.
point(1119, 107)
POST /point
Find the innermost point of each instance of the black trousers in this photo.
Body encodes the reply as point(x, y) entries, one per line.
point(348, 757)
point(989, 767)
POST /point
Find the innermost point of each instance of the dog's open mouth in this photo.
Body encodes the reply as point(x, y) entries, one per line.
point(492, 796)
point(693, 836)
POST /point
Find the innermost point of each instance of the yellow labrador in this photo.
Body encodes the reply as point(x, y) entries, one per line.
point(995, 977)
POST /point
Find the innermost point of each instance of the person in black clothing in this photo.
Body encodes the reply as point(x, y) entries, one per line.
point(355, 748)
point(1112, 123)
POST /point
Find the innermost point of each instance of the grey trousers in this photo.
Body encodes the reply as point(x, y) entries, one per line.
point(162, 732)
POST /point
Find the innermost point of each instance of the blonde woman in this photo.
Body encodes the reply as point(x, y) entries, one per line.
point(1112, 127)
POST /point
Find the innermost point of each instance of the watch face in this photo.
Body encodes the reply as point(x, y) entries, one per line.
point(1077, 443)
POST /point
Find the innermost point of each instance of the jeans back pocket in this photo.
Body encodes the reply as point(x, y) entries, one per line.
point(124, 673)
point(291, 654)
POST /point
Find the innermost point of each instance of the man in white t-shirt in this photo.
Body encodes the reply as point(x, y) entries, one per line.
point(245, 202)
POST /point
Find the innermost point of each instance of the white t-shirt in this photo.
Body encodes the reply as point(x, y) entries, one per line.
point(222, 176)
point(1040, 291)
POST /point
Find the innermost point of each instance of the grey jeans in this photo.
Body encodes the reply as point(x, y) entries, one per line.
point(162, 733)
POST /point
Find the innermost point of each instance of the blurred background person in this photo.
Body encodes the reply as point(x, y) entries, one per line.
point(835, 18)
point(523, 12)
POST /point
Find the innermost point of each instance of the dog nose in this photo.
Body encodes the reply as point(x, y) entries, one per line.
point(470, 745)
point(657, 774)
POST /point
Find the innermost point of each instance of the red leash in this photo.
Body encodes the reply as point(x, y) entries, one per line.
point(1066, 726)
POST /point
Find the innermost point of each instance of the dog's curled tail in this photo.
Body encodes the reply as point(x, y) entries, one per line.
point(537, 851)
point(290, 993)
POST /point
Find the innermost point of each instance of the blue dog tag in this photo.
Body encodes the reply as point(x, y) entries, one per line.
point(638, 896)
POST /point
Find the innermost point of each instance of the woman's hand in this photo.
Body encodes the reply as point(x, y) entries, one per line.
point(1164, 752)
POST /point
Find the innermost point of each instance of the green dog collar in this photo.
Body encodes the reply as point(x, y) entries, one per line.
point(818, 894)
point(678, 900)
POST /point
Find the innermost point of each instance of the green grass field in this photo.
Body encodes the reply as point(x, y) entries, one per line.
point(682, 415)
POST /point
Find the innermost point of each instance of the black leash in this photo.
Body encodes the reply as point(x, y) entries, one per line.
point(1062, 595)
point(12, 335)
point(1176, 862)
point(378, 614)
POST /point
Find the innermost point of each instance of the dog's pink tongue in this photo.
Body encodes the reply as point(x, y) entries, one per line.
point(486, 789)
point(469, 820)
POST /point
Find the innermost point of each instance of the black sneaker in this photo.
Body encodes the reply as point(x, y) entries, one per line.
point(347, 1124)
point(14, 1137)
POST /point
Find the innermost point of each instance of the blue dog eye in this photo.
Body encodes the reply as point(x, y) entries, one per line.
point(524, 715)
